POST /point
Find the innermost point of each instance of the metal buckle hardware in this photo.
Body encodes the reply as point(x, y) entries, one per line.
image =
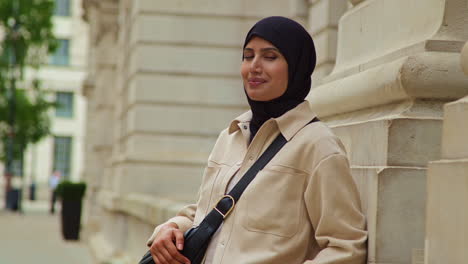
point(230, 209)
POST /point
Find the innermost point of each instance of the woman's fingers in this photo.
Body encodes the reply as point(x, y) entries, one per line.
point(179, 239)
point(174, 253)
point(168, 258)
point(156, 258)
point(164, 248)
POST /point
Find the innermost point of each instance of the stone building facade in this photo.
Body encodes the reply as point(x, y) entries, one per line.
point(164, 80)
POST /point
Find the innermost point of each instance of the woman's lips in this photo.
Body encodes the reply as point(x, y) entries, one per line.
point(254, 82)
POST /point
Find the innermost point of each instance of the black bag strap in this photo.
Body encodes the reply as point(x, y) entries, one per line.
point(227, 203)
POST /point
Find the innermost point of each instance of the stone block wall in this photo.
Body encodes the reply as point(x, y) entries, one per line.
point(447, 187)
point(395, 69)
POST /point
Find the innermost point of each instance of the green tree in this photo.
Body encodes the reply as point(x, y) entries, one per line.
point(26, 40)
point(32, 122)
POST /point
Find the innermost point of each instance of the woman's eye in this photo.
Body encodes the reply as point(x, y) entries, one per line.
point(270, 57)
point(248, 57)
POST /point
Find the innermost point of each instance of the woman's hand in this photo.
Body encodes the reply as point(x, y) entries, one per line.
point(164, 250)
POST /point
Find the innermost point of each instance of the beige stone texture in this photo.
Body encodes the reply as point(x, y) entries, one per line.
point(383, 28)
point(447, 188)
point(323, 26)
point(179, 60)
point(356, 2)
point(204, 90)
point(464, 58)
point(325, 14)
point(191, 30)
point(325, 43)
point(384, 100)
point(100, 227)
point(400, 141)
point(394, 201)
point(416, 76)
point(179, 119)
point(454, 141)
point(447, 217)
point(129, 176)
point(240, 9)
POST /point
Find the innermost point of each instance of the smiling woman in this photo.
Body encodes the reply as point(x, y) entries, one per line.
point(303, 206)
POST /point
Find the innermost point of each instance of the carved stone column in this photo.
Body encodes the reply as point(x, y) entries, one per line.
point(397, 64)
point(99, 224)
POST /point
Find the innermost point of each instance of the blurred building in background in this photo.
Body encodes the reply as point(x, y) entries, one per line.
point(163, 80)
point(62, 78)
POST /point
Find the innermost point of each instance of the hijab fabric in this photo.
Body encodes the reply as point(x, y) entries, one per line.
point(297, 46)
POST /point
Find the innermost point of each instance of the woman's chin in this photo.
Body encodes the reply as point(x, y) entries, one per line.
point(256, 97)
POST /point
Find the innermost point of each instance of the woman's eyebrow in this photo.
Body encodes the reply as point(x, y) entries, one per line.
point(269, 49)
point(263, 50)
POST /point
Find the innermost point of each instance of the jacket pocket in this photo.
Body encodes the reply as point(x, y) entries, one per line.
point(274, 202)
point(205, 192)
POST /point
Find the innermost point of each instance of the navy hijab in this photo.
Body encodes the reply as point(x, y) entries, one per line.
point(297, 46)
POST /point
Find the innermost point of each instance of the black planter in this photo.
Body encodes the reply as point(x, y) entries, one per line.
point(13, 199)
point(71, 219)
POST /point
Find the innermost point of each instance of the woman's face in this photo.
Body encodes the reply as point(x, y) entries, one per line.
point(264, 70)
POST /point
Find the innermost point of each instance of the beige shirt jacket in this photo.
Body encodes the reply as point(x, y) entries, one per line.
point(303, 207)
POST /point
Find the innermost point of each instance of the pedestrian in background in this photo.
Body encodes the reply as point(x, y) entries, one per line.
point(53, 183)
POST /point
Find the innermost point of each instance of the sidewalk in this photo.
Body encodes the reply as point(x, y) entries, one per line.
point(34, 237)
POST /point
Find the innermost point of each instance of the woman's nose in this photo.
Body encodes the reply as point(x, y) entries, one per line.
point(255, 66)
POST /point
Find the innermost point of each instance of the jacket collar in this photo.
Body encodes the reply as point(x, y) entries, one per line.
point(244, 118)
point(288, 124)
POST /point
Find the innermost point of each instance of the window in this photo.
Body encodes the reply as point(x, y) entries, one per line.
point(62, 8)
point(64, 102)
point(62, 155)
point(17, 167)
point(61, 55)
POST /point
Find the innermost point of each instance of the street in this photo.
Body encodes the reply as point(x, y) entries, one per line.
point(34, 237)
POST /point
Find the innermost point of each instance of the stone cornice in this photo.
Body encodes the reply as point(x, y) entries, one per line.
point(427, 75)
point(381, 60)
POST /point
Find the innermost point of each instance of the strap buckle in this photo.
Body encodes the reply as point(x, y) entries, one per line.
point(230, 209)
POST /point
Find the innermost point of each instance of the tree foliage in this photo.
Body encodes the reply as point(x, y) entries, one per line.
point(32, 121)
point(26, 34)
point(34, 31)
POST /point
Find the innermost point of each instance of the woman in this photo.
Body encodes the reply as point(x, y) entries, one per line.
point(303, 207)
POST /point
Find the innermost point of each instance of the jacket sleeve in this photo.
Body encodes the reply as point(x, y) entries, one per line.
point(334, 208)
point(183, 219)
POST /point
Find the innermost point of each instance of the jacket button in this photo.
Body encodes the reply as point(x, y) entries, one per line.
point(245, 127)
